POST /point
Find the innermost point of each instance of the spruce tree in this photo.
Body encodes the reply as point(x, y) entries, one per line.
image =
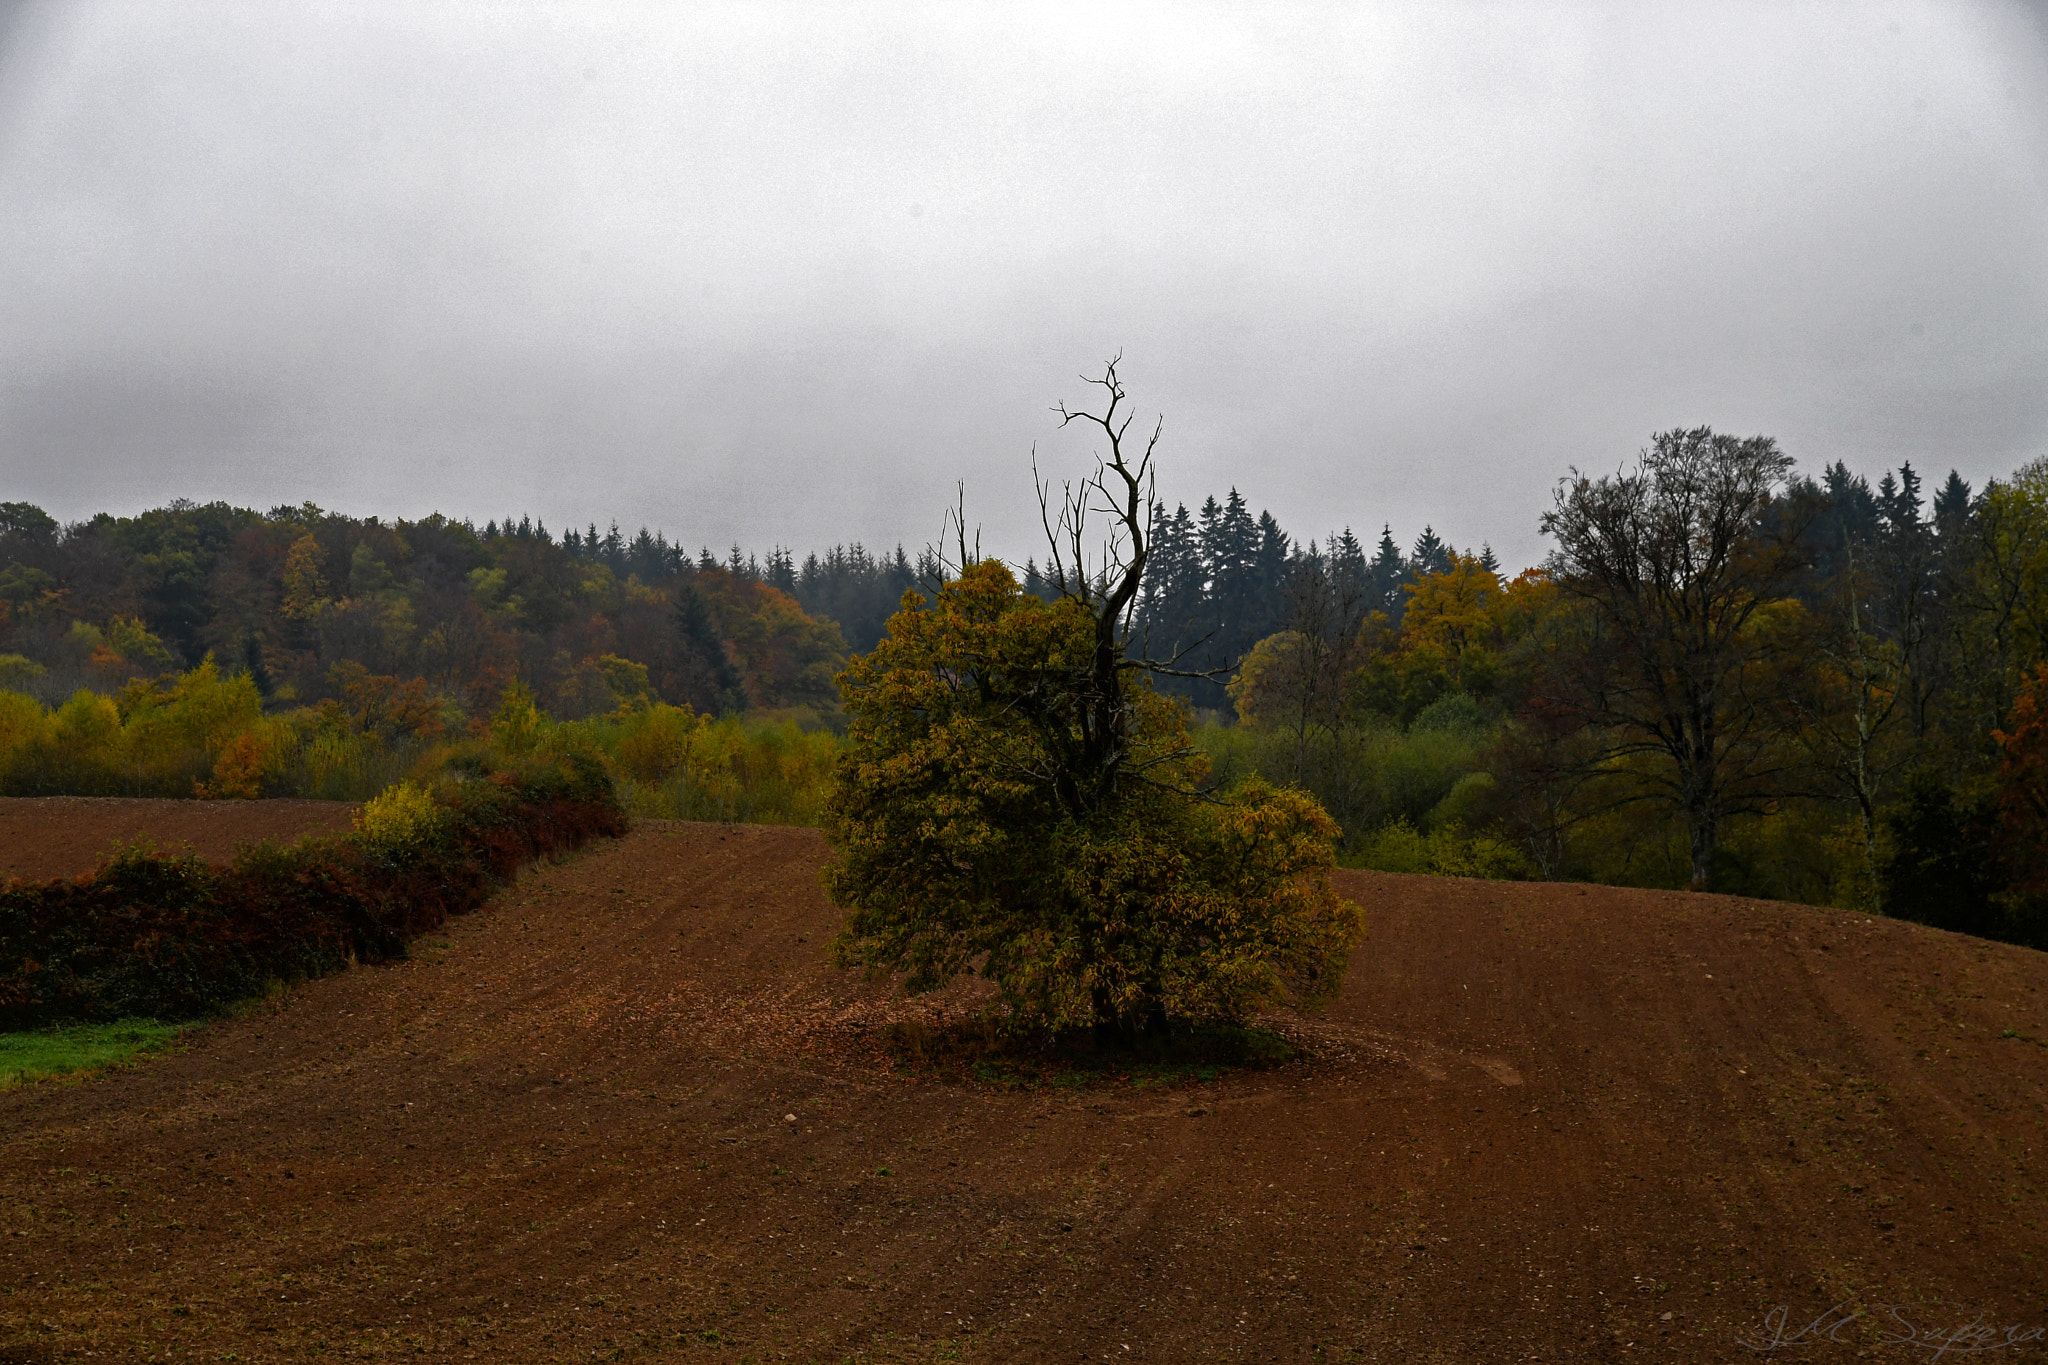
point(1430, 555)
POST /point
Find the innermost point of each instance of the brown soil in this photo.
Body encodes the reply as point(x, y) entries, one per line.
point(44, 837)
point(1543, 1122)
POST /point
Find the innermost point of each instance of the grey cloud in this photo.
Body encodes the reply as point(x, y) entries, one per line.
point(785, 275)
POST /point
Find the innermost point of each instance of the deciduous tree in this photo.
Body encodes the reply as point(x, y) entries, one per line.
point(1018, 801)
point(1677, 561)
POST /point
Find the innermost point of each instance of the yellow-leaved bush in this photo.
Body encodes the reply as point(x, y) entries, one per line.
point(401, 821)
point(967, 839)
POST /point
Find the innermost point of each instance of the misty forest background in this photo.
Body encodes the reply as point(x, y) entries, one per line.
point(1881, 712)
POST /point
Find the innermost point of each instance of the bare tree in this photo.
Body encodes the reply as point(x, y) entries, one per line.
point(1097, 530)
point(1326, 612)
point(1121, 490)
point(1676, 560)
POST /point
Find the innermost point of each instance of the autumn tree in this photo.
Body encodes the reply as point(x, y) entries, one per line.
point(1676, 566)
point(2004, 594)
point(2023, 807)
point(1017, 801)
point(1296, 678)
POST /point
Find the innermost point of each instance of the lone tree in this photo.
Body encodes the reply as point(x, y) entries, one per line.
point(1018, 802)
point(1677, 566)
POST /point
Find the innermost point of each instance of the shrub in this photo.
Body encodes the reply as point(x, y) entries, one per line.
point(401, 822)
point(654, 742)
point(169, 937)
point(674, 764)
point(969, 839)
point(1444, 852)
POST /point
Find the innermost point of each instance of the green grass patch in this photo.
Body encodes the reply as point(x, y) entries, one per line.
point(41, 1053)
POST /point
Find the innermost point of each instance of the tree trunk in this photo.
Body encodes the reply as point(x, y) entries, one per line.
point(1701, 827)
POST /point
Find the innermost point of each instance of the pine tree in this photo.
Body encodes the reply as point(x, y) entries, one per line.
point(1389, 572)
point(1230, 551)
point(1430, 555)
point(781, 570)
point(642, 560)
point(1173, 611)
point(1347, 560)
point(714, 684)
point(1952, 506)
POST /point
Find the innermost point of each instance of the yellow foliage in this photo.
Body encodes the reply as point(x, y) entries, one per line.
point(86, 726)
point(305, 591)
point(1400, 847)
point(400, 820)
point(1270, 679)
point(200, 711)
point(959, 849)
point(23, 722)
point(335, 761)
point(129, 638)
point(676, 764)
point(654, 743)
point(517, 725)
point(1453, 617)
point(2011, 570)
point(627, 680)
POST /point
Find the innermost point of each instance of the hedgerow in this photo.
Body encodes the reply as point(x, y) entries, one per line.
point(170, 937)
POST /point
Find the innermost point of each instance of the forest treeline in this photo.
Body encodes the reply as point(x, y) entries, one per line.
point(1726, 674)
point(307, 602)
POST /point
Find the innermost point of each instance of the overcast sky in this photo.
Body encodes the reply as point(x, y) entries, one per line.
point(783, 275)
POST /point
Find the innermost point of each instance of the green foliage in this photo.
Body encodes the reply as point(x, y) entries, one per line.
point(206, 733)
point(1373, 774)
point(1442, 852)
point(670, 763)
point(959, 846)
point(585, 622)
point(1940, 867)
point(516, 725)
point(17, 669)
point(38, 1054)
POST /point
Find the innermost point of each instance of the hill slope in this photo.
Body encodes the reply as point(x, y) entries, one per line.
point(1543, 1122)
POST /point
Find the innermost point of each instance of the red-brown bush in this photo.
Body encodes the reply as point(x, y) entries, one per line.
point(171, 937)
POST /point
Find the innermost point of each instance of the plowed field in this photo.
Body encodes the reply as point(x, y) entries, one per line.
point(628, 1112)
point(42, 837)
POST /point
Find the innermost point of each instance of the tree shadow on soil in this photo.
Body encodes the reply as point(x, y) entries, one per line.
point(980, 1051)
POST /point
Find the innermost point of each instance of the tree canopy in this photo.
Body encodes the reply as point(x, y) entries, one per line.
point(963, 845)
